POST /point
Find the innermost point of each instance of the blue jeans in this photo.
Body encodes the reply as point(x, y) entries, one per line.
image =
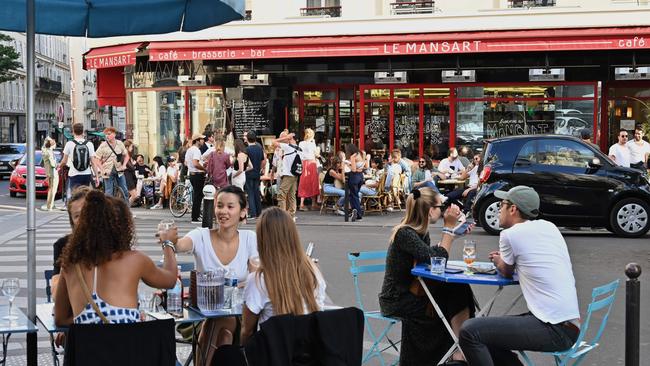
point(355, 180)
point(120, 180)
point(367, 191)
point(252, 186)
point(329, 188)
point(429, 184)
point(488, 341)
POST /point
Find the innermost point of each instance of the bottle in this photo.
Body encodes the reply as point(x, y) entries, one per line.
point(174, 296)
point(230, 287)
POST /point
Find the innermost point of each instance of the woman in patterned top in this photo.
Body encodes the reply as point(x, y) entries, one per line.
point(424, 338)
point(101, 258)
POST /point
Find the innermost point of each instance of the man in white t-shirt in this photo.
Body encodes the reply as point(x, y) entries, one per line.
point(639, 150)
point(288, 182)
point(81, 152)
point(451, 165)
point(537, 250)
point(196, 173)
point(619, 152)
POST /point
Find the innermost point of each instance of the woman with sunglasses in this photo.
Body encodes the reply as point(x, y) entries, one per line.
point(424, 337)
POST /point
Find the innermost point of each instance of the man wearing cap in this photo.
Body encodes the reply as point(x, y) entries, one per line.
point(537, 250)
point(196, 172)
point(585, 136)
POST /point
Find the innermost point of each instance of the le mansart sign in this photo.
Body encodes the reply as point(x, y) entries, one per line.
point(211, 50)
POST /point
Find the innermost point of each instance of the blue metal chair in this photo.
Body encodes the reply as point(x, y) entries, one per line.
point(602, 298)
point(356, 269)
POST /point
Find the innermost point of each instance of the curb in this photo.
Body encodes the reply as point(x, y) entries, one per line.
point(18, 232)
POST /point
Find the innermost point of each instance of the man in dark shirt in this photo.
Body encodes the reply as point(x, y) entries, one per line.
point(258, 159)
point(140, 166)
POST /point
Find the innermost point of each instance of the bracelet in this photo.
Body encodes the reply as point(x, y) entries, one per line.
point(448, 231)
point(170, 244)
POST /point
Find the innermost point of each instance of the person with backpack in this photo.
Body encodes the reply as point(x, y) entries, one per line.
point(112, 155)
point(82, 153)
point(291, 170)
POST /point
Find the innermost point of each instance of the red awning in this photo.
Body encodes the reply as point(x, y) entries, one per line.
point(405, 44)
point(112, 56)
point(110, 87)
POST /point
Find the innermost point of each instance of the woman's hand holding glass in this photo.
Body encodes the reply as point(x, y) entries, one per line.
point(451, 216)
point(167, 230)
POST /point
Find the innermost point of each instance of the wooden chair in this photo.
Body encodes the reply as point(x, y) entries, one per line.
point(375, 203)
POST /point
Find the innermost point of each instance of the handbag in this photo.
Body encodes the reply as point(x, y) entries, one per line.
point(118, 157)
point(88, 296)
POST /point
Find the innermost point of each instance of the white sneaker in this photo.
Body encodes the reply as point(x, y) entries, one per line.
point(196, 222)
point(156, 207)
point(340, 212)
point(390, 209)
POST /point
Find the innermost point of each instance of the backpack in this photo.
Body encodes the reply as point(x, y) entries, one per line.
point(81, 156)
point(296, 166)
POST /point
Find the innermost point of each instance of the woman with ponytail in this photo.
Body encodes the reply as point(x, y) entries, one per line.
point(424, 337)
point(100, 270)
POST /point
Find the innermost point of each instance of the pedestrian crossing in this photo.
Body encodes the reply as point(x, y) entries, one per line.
point(13, 263)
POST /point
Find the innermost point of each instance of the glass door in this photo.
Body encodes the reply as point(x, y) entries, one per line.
point(436, 129)
point(208, 111)
point(406, 127)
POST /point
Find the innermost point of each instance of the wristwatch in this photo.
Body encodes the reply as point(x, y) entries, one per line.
point(168, 243)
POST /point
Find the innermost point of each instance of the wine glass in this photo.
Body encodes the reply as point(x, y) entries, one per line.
point(10, 288)
point(469, 254)
point(164, 226)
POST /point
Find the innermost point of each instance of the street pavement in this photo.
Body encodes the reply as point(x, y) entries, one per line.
point(598, 258)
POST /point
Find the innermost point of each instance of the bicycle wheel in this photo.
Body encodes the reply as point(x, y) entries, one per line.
point(178, 201)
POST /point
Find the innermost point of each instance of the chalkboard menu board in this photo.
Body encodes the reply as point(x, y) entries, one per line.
point(515, 123)
point(250, 115)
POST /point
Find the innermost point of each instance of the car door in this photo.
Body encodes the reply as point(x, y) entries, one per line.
point(574, 188)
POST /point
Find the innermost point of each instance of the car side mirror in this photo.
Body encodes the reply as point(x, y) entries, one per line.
point(595, 163)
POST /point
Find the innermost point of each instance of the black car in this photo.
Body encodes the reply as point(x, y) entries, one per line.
point(578, 185)
point(9, 153)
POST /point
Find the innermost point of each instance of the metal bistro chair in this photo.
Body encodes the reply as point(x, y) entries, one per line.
point(356, 270)
point(374, 203)
point(602, 298)
point(48, 273)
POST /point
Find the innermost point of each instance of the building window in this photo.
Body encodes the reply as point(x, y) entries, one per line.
point(401, 7)
point(324, 8)
point(530, 3)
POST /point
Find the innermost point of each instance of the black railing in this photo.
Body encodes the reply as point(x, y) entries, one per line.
point(530, 3)
point(327, 11)
point(413, 7)
point(49, 86)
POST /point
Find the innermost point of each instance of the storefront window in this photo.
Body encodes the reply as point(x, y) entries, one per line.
point(208, 112)
point(376, 93)
point(411, 93)
point(436, 130)
point(321, 117)
point(376, 128)
point(627, 109)
point(406, 128)
point(527, 91)
point(157, 119)
point(436, 93)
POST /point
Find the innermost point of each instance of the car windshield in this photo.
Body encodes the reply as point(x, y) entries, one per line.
point(12, 149)
point(38, 157)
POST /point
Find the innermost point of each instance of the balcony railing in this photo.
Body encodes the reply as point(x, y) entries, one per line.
point(326, 11)
point(530, 3)
point(49, 86)
point(414, 7)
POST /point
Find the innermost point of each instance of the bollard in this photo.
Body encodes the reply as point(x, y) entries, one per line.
point(208, 205)
point(632, 314)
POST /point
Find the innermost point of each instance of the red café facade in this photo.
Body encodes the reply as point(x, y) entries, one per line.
point(329, 84)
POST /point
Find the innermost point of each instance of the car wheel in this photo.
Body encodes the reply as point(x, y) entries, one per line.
point(12, 193)
point(630, 218)
point(489, 215)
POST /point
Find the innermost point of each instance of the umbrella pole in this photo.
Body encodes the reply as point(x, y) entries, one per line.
point(31, 186)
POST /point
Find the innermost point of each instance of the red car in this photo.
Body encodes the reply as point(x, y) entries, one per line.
point(18, 179)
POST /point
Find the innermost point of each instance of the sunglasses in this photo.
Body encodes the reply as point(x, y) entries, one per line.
point(624, 136)
point(422, 162)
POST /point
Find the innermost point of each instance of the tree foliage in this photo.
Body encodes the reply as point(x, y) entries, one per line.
point(8, 59)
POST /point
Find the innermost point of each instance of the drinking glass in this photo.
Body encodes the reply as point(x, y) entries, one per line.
point(438, 265)
point(10, 288)
point(469, 254)
point(166, 225)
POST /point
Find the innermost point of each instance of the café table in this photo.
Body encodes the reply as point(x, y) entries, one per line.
point(44, 315)
point(10, 326)
point(451, 184)
point(422, 272)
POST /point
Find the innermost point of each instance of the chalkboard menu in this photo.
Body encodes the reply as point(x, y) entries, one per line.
point(250, 115)
point(515, 123)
